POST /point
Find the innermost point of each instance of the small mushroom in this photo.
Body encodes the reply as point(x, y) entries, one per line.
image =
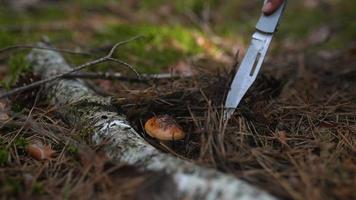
point(164, 128)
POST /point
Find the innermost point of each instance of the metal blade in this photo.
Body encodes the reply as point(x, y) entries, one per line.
point(247, 72)
point(269, 24)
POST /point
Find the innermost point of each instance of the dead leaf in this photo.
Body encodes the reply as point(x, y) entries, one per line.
point(311, 3)
point(319, 35)
point(182, 68)
point(39, 151)
point(282, 137)
point(165, 10)
point(4, 116)
point(106, 85)
point(2, 105)
point(92, 159)
point(3, 70)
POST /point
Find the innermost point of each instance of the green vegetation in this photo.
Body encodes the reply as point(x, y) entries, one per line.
point(160, 46)
point(11, 185)
point(167, 42)
point(17, 64)
point(72, 150)
point(38, 188)
point(4, 156)
point(21, 143)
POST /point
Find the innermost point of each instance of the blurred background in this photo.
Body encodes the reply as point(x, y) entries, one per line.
point(175, 32)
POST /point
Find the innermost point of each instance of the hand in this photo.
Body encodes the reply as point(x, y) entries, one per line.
point(271, 6)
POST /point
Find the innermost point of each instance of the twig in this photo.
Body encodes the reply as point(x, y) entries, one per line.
point(108, 57)
point(123, 63)
point(121, 77)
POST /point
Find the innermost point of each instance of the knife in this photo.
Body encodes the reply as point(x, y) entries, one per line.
point(253, 59)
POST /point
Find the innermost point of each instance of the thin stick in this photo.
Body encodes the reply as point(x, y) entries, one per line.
point(121, 77)
point(123, 63)
point(29, 46)
point(108, 57)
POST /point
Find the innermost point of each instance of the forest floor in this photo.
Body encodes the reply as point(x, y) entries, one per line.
point(293, 134)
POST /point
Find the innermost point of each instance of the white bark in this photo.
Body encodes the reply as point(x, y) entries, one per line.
point(83, 106)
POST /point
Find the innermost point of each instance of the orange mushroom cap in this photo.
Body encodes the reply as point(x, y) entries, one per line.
point(164, 127)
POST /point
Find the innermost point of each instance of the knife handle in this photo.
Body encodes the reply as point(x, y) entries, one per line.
point(269, 24)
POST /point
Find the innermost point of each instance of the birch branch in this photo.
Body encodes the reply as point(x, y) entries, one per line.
point(124, 145)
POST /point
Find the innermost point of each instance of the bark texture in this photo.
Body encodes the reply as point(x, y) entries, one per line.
point(81, 105)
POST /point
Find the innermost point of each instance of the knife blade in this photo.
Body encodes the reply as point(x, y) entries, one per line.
point(252, 61)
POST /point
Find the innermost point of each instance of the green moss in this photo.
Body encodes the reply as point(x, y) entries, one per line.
point(37, 188)
point(6, 39)
point(165, 44)
point(181, 6)
point(33, 16)
point(89, 3)
point(298, 25)
point(72, 150)
point(16, 107)
point(47, 15)
point(4, 156)
point(17, 65)
point(21, 142)
point(160, 47)
point(19, 27)
point(10, 186)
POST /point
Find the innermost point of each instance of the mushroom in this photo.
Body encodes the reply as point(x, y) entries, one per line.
point(164, 128)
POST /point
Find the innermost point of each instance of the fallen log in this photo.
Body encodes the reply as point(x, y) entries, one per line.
point(80, 105)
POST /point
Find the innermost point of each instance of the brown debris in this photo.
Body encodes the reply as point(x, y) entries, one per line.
point(4, 116)
point(40, 151)
point(282, 142)
point(182, 68)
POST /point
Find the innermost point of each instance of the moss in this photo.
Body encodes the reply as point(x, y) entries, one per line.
point(17, 65)
point(18, 27)
point(13, 17)
point(21, 142)
point(16, 107)
point(72, 150)
point(6, 39)
point(90, 3)
point(296, 25)
point(37, 188)
point(10, 186)
point(160, 47)
point(165, 44)
point(181, 6)
point(4, 156)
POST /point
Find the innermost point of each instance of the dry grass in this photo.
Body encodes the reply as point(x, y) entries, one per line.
point(78, 170)
point(295, 139)
point(293, 135)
